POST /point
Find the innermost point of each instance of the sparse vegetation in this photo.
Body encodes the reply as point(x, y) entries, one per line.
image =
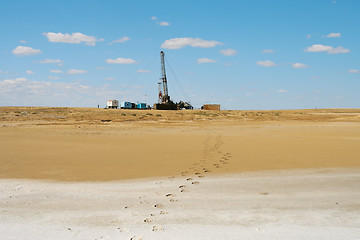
point(89, 115)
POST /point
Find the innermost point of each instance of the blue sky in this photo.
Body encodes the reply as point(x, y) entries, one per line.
point(249, 54)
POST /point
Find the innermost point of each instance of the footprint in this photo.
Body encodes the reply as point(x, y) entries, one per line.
point(135, 238)
point(173, 200)
point(148, 220)
point(169, 195)
point(163, 213)
point(182, 186)
point(195, 182)
point(159, 205)
point(189, 179)
point(157, 229)
point(124, 230)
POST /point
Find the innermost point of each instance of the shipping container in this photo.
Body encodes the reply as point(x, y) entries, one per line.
point(215, 107)
point(141, 106)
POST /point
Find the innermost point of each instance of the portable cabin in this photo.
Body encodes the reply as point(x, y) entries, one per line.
point(141, 106)
point(112, 104)
point(126, 105)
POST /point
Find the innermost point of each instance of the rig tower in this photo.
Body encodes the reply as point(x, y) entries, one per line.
point(164, 98)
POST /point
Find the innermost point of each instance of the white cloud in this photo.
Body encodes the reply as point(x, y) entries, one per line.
point(56, 71)
point(121, 61)
point(153, 18)
point(282, 91)
point(24, 51)
point(74, 38)
point(338, 50)
point(328, 49)
point(22, 41)
point(121, 40)
point(268, 51)
point(164, 23)
point(353, 71)
point(53, 78)
point(51, 61)
point(316, 91)
point(29, 72)
point(109, 79)
point(176, 43)
point(143, 71)
point(333, 35)
point(299, 65)
point(266, 63)
point(24, 92)
point(228, 52)
point(205, 60)
point(318, 48)
point(76, 71)
point(12, 81)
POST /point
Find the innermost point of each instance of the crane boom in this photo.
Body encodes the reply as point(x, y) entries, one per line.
point(165, 97)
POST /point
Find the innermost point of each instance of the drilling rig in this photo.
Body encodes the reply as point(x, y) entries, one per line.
point(165, 102)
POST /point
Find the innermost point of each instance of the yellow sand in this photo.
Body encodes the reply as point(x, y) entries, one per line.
point(77, 144)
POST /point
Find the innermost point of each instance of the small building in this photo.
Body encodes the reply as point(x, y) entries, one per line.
point(126, 105)
point(112, 104)
point(215, 107)
point(141, 106)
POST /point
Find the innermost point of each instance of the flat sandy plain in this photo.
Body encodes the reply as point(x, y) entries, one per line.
point(85, 173)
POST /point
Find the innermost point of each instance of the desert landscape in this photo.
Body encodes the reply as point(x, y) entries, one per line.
point(87, 173)
point(89, 144)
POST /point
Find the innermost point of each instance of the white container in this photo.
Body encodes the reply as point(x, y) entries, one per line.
point(112, 103)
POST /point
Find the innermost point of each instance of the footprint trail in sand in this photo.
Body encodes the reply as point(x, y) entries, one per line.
point(213, 158)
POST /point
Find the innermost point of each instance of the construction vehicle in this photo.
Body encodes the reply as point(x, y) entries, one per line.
point(185, 105)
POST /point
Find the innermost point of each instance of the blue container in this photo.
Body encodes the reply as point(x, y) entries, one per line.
point(141, 106)
point(127, 105)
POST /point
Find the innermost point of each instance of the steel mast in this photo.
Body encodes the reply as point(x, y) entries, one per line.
point(165, 97)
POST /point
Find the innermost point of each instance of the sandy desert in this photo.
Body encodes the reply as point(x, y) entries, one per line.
point(87, 173)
